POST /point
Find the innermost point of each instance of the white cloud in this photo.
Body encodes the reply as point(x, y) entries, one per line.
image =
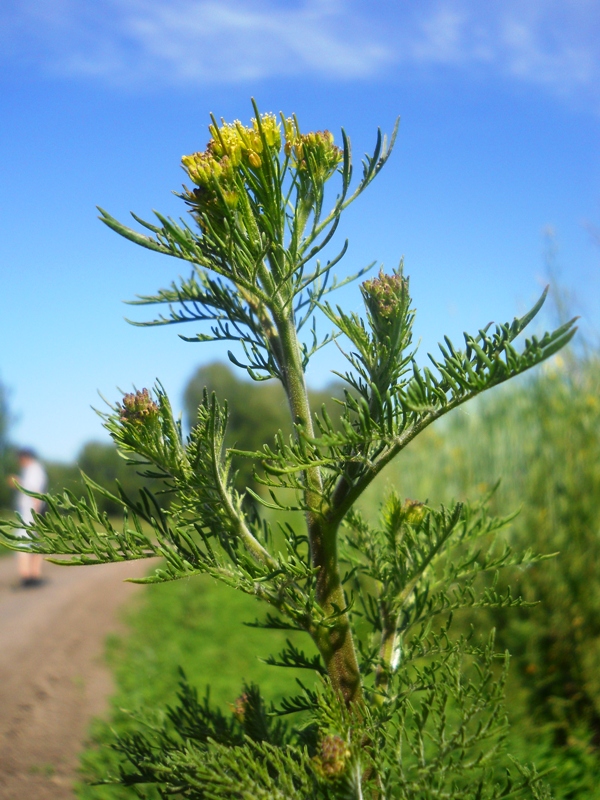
point(551, 43)
point(183, 41)
point(555, 43)
point(213, 40)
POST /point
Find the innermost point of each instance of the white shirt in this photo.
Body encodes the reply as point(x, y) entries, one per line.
point(33, 478)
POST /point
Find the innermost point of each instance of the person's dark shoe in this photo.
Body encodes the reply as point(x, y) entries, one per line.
point(32, 583)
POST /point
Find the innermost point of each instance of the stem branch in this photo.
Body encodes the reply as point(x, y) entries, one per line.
point(335, 642)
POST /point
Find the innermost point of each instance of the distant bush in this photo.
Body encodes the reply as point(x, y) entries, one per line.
point(556, 466)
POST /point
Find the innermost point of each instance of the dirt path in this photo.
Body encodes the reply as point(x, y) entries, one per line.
point(52, 676)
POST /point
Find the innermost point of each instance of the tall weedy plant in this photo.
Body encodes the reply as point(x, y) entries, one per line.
point(401, 707)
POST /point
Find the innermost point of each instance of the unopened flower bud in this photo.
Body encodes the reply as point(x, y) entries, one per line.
point(239, 707)
point(386, 297)
point(333, 757)
point(203, 167)
point(413, 511)
point(254, 159)
point(138, 407)
point(257, 143)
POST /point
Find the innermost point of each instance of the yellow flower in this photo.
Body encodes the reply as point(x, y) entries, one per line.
point(290, 131)
point(227, 141)
point(270, 128)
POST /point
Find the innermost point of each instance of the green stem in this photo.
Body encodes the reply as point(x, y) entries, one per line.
point(334, 640)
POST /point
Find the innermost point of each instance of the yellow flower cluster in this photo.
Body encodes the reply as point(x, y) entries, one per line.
point(220, 172)
point(241, 143)
point(316, 148)
point(231, 145)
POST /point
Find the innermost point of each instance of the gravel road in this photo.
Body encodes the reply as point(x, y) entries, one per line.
point(52, 675)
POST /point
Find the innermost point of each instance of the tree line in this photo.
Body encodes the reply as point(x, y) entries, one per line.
point(255, 410)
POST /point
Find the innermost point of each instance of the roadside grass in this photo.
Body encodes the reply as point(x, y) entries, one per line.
point(195, 624)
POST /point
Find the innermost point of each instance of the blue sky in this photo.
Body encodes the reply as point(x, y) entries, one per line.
point(500, 124)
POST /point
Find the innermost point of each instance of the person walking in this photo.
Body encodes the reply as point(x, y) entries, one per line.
point(33, 478)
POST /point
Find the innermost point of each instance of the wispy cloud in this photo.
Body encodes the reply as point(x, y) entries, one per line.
point(554, 43)
point(197, 41)
point(551, 43)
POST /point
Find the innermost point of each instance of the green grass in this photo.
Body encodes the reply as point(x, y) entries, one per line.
point(195, 624)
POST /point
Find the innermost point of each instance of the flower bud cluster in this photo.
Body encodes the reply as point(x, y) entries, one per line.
point(333, 757)
point(413, 512)
point(239, 707)
point(316, 149)
point(386, 296)
point(387, 300)
point(218, 170)
point(138, 407)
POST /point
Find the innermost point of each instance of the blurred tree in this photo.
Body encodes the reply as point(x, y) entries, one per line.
point(256, 410)
point(101, 462)
point(104, 465)
point(63, 475)
point(8, 463)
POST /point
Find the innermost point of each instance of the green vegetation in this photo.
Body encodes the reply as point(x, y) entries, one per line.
point(180, 626)
point(544, 438)
point(7, 460)
point(401, 700)
point(256, 410)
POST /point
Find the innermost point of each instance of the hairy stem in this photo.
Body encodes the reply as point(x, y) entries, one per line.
point(333, 639)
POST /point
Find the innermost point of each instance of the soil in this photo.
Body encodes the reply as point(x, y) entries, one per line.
point(53, 678)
